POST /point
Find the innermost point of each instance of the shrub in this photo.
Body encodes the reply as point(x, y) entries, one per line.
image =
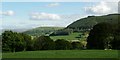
point(76, 45)
point(44, 43)
point(62, 44)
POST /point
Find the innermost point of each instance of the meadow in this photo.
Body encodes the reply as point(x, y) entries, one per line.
point(63, 54)
point(71, 36)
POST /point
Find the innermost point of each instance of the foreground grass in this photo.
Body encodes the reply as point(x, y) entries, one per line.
point(64, 54)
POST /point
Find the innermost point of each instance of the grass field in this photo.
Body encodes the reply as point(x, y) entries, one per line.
point(64, 54)
point(68, 37)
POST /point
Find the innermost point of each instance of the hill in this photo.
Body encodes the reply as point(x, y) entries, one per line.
point(80, 25)
point(42, 30)
point(88, 22)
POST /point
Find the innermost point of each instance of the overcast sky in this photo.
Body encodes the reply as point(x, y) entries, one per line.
point(19, 15)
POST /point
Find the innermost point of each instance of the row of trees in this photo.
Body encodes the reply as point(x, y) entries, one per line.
point(13, 42)
point(46, 43)
point(104, 36)
point(60, 33)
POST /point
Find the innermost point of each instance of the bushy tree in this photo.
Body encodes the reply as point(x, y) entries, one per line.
point(98, 37)
point(12, 41)
point(18, 43)
point(6, 40)
point(28, 42)
point(76, 45)
point(44, 43)
point(116, 42)
point(62, 44)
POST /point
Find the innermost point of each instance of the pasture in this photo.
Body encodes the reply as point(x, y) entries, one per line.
point(72, 36)
point(63, 54)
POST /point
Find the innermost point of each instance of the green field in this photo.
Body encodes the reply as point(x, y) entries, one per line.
point(68, 37)
point(42, 30)
point(64, 54)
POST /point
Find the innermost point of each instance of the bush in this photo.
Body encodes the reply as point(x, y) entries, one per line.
point(62, 44)
point(76, 45)
point(44, 43)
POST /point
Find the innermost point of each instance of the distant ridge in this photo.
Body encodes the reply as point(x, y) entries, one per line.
point(90, 21)
point(42, 30)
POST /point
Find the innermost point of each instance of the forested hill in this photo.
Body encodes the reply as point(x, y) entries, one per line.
point(90, 21)
point(81, 24)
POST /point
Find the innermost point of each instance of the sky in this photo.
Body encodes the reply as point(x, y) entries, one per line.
point(27, 15)
point(59, 0)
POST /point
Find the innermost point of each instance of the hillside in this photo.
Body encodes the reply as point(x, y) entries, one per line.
point(42, 30)
point(90, 21)
point(79, 25)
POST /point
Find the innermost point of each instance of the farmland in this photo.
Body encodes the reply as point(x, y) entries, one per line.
point(71, 36)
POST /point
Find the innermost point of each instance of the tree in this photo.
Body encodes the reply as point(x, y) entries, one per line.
point(28, 42)
point(76, 45)
point(116, 42)
point(6, 40)
point(44, 43)
point(62, 44)
point(12, 41)
point(18, 42)
point(98, 37)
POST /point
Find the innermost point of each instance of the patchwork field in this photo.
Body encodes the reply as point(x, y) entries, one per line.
point(72, 36)
point(64, 54)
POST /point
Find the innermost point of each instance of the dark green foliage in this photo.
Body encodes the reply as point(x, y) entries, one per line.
point(87, 23)
point(99, 36)
point(44, 43)
point(59, 33)
point(13, 41)
point(104, 36)
point(62, 44)
point(28, 42)
point(116, 42)
point(76, 45)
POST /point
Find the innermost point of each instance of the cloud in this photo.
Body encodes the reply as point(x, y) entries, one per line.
point(53, 5)
point(7, 13)
point(44, 16)
point(101, 8)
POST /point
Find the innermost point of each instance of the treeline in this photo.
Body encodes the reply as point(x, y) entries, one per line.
point(104, 36)
point(60, 33)
point(14, 42)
